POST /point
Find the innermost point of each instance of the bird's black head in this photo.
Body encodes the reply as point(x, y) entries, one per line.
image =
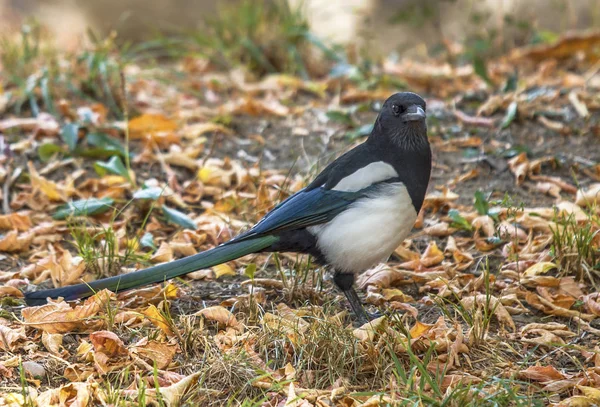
point(402, 121)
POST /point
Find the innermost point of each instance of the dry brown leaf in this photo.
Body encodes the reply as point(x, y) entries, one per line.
point(154, 351)
point(221, 315)
point(9, 291)
point(432, 255)
point(541, 374)
point(20, 221)
point(476, 121)
point(10, 338)
point(74, 394)
point(568, 46)
point(13, 242)
point(109, 351)
point(66, 271)
point(381, 276)
point(163, 254)
point(173, 394)
point(108, 342)
point(368, 331)
point(59, 317)
point(588, 197)
point(53, 343)
point(450, 380)
point(495, 306)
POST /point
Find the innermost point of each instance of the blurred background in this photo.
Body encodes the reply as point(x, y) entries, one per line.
point(381, 26)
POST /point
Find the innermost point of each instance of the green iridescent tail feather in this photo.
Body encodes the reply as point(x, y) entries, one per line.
point(160, 273)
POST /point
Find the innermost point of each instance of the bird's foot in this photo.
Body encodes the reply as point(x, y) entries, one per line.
point(362, 317)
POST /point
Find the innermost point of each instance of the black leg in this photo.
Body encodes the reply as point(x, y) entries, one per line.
point(345, 282)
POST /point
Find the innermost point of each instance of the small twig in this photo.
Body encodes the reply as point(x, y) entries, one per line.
point(6, 190)
point(211, 150)
point(11, 177)
point(161, 159)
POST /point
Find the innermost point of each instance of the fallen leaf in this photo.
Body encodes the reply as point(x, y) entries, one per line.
point(419, 329)
point(495, 307)
point(20, 221)
point(158, 319)
point(223, 270)
point(52, 343)
point(10, 338)
point(539, 268)
point(163, 254)
point(221, 315)
point(368, 331)
point(59, 317)
point(157, 352)
point(541, 373)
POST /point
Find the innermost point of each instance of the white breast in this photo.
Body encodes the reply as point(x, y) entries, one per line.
point(368, 231)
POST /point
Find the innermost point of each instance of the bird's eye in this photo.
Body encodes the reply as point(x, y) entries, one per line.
point(397, 110)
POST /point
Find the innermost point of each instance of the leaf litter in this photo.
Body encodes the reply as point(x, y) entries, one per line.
point(496, 291)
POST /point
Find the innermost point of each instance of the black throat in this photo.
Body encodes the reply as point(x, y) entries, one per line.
point(411, 158)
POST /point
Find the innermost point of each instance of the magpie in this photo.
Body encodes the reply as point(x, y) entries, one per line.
point(354, 214)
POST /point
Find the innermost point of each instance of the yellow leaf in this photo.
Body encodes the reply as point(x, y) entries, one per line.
point(394, 294)
point(432, 255)
point(539, 268)
point(590, 392)
point(171, 291)
point(223, 270)
point(419, 329)
point(157, 319)
point(209, 175)
point(48, 188)
point(578, 401)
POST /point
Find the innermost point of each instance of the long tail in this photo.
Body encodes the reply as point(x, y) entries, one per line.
point(220, 254)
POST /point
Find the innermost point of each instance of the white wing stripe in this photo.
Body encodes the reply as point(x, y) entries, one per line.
point(366, 176)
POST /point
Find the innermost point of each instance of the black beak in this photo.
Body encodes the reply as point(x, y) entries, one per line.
point(414, 113)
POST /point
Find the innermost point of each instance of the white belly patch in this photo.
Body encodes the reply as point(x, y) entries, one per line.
point(368, 231)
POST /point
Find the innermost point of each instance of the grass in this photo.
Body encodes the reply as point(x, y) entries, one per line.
point(575, 246)
point(266, 37)
point(37, 76)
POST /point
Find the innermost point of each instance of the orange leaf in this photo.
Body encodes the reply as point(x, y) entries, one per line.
point(107, 342)
point(541, 374)
point(155, 127)
point(18, 220)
